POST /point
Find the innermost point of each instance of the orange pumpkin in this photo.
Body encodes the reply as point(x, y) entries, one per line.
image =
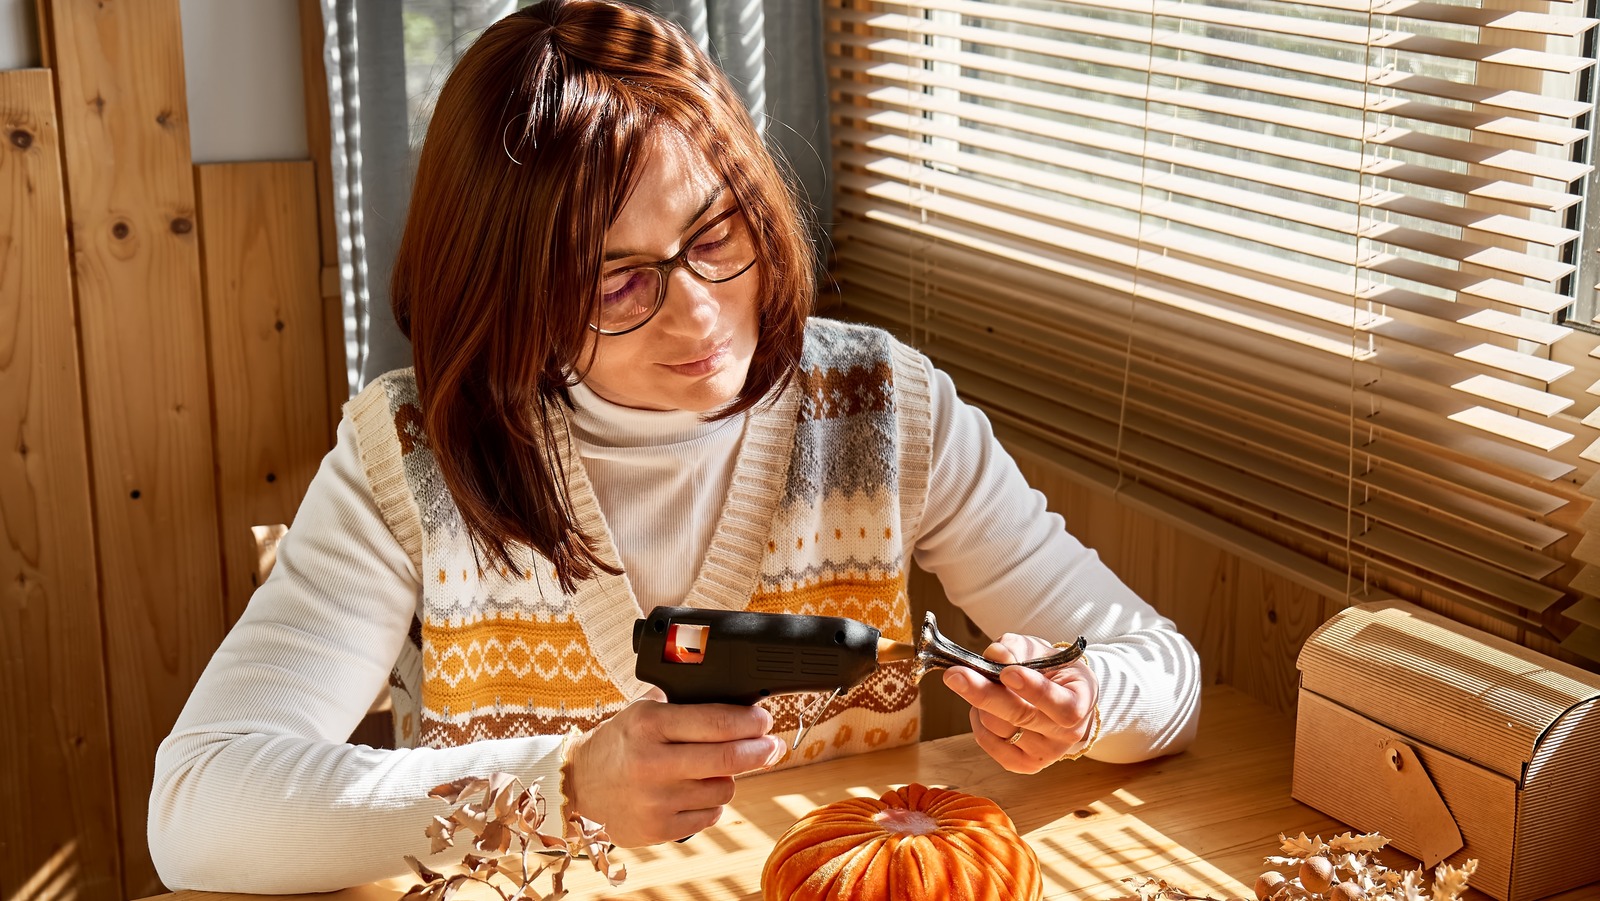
point(911, 844)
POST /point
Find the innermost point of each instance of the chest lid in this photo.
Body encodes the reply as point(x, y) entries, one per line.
point(1474, 695)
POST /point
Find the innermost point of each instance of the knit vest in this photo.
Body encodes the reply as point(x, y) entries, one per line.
point(827, 492)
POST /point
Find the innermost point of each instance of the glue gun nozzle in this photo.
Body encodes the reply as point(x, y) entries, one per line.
point(890, 651)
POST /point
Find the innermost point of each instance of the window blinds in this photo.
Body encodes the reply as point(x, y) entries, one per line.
point(1286, 272)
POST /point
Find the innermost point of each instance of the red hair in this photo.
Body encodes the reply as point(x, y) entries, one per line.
point(537, 136)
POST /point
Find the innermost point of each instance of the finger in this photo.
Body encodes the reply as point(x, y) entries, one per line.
point(709, 760)
point(1000, 728)
point(966, 682)
point(699, 794)
point(710, 722)
point(689, 822)
point(1013, 757)
point(1062, 706)
point(999, 652)
point(1019, 648)
point(994, 698)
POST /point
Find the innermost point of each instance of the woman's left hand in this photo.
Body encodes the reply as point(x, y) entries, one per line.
point(1027, 720)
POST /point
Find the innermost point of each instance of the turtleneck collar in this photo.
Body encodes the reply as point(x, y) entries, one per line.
point(600, 422)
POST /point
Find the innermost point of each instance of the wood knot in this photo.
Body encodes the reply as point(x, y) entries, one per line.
point(182, 226)
point(21, 138)
point(120, 231)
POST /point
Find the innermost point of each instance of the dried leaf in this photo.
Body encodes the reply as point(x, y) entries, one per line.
point(1147, 888)
point(472, 817)
point(1411, 886)
point(1348, 865)
point(499, 797)
point(505, 813)
point(1364, 844)
point(496, 839)
point(422, 871)
point(1302, 847)
point(451, 792)
point(1450, 882)
point(441, 834)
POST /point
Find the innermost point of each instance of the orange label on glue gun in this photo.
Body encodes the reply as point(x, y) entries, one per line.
point(685, 643)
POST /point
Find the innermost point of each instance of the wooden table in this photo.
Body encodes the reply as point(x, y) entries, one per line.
point(1202, 820)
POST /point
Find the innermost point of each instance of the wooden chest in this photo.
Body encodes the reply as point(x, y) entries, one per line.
point(1453, 743)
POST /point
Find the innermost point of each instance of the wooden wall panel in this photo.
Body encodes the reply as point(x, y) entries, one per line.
point(258, 233)
point(125, 132)
point(1273, 617)
point(57, 742)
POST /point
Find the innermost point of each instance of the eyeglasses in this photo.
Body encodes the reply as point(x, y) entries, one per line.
point(721, 251)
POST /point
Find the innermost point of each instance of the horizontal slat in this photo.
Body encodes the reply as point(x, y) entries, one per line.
point(1215, 311)
point(1030, 312)
point(1497, 423)
point(1276, 181)
point(1270, 553)
point(1306, 571)
point(1227, 225)
point(1217, 282)
point(1176, 11)
point(1208, 403)
point(1586, 611)
point(1514, 395)
point(1230, 485)
point(1139, 85)
point(1484, 188)
point(1320, 129)
point(1151, 412)
point(1323, 65)
point(1511, 361)
point(1447, 13)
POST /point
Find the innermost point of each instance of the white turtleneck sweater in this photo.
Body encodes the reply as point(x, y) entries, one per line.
point(255, 789)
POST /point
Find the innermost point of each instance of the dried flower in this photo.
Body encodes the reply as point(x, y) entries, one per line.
point(504, 817)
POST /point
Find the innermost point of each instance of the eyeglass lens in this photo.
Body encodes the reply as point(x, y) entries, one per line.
point(720, 251)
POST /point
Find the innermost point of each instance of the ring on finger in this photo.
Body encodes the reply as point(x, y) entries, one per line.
point(1015, 737)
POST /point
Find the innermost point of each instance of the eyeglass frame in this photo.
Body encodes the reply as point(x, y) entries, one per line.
point(665, 268)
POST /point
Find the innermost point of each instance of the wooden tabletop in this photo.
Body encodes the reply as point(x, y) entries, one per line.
point(1202, 820)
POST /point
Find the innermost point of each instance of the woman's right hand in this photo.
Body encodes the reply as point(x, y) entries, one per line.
point(658, 772)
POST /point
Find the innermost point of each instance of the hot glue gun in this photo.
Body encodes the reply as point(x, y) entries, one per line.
point(701, 656)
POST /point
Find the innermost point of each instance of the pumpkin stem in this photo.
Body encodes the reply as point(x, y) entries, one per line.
point(908, 822)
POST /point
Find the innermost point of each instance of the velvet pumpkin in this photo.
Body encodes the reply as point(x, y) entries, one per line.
point(912, 844)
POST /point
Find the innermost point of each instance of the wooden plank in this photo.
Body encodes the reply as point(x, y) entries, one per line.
point(320, 143)
point(52, 676)
point(125, 132)
point(1274, 618)
point(264, 324)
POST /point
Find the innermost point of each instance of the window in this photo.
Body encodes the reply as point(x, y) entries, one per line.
point(1291, 273)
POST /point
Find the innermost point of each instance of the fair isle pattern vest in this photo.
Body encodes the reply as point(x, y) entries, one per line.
point(827, 491)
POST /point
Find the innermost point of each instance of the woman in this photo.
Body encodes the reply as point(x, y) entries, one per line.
point(618, 401)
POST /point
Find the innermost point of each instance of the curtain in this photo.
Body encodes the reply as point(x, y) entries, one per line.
point(386, 60)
